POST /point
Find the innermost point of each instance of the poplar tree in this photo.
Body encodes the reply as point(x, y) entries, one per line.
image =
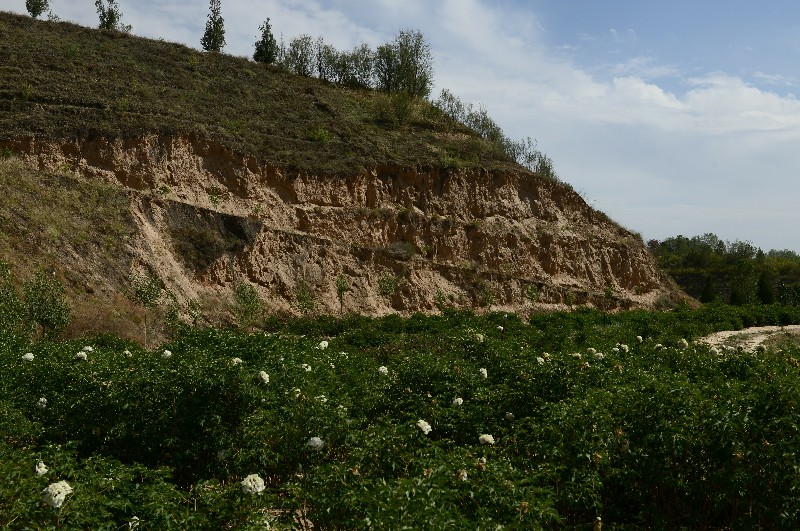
point(214, 37)
point(267, 46)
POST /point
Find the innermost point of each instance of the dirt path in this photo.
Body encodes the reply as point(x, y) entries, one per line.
point(751, 338)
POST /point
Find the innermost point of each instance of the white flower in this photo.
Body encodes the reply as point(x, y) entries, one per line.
point(128, 355)
point(252, 484)
point(323, 345)
point(639, 339)
point(462, 475)
point(166, 354)
point(509, 416)
point(486, 439)
point(81, 356)
point(576, 355)
point(683, 344)
point(236, 361)
point(306, 367)
point(322, 399)
point(484, 373)
point(546, 355)
point(715, 351)
point(599, 356)
point(55, 493)
point(297, 392)
point(263, 376)
point(134, 523)
point(424, 426)
point(658, 346)
point(88, 349)
point(591, 350)
point(615, 350)
point(383, 370)
point(479, 338)
point(458, 401)
point(540, 361)
point(625, 347)
point(28, 356)
point(315, 443)
point(41, 469)
point(42, 403)
point(500, 328)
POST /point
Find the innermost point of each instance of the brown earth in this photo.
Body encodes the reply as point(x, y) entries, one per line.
point(206, 217)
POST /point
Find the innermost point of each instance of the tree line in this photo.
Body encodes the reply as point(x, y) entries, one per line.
point(736, 272)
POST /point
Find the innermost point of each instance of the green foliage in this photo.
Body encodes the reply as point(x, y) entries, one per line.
point(36, 7)
point(304, 298)
point(532, 293)
point(266, 47)
point(214, 36)
point(299, 56)
point(387, 285)
point(6, 153)
point(524, 152)
point(342, 287)
point(249, 306)
point(320, 134)
point(13, 315)
point(46, 306)
point(737, 272)
point(110, 16)
point(405, 65)
point(642, 436)
point(145, 290)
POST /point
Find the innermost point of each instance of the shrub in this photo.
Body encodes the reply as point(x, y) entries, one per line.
point(249, 306)
point(46, 305)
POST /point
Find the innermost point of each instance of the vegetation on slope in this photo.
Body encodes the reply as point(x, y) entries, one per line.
point(63, 80)
point(553, 423)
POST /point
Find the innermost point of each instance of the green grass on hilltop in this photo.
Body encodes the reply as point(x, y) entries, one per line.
point(63, 80)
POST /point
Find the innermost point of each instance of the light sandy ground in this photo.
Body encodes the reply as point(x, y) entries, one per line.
point(750, 338)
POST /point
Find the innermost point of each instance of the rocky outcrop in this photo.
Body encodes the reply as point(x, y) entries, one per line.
point(404, 239)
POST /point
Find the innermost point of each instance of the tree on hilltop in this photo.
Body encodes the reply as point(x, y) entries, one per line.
point(214, 37)
point(267, 46)
point(110, 16)
point(405, 65)
point(36, 7)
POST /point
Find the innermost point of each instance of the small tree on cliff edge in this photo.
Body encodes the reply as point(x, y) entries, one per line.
point(110, 16)
point(267, 46)
point(36, 7)
point(214, 38)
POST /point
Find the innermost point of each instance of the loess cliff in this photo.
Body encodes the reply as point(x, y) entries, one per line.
point(209, 206)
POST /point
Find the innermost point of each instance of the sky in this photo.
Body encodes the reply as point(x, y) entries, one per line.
point(673, 118)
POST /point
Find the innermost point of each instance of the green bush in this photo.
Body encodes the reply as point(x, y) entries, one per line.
point(546, 423)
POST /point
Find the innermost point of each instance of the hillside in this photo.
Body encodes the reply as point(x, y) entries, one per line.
point(215, 171)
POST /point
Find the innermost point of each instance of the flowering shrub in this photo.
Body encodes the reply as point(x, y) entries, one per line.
point(253, 484)
point(56, 493)
point(641, 438)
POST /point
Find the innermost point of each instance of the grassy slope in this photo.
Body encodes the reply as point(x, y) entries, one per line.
point(60, 79)
point(75, 228)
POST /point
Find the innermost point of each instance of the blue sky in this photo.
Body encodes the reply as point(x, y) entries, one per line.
point(675, 117)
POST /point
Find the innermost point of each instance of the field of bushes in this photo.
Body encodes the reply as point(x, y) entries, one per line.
point(565, 420)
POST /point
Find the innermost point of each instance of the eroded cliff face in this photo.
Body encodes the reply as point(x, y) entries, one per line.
point(208, 218)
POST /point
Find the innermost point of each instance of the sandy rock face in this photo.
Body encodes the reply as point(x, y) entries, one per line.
point(405, 239)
